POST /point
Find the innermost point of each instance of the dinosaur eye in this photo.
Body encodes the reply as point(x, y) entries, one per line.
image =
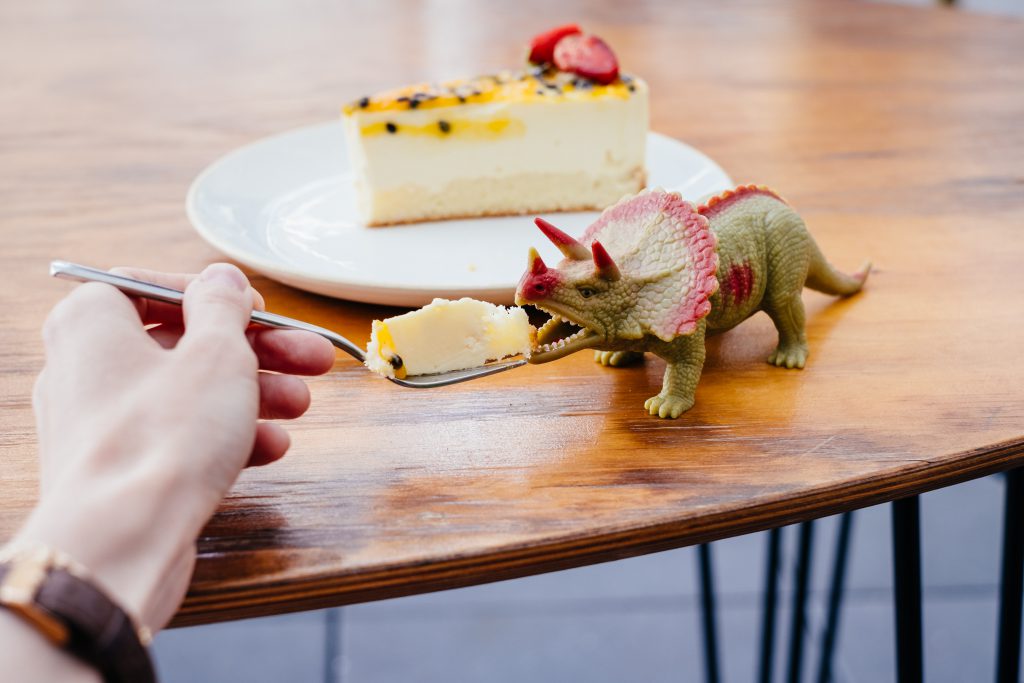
point(586, 292)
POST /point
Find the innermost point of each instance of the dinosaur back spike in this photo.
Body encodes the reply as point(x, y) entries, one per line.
point(566, 244)
point(715, 205)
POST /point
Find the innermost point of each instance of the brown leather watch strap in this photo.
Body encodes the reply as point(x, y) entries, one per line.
point(98, 631)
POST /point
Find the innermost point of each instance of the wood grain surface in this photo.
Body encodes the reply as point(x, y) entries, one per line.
point(896, 132)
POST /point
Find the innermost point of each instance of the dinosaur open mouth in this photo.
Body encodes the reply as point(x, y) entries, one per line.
point(559, 337)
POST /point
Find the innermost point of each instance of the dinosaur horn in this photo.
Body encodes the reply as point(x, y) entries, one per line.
point(606, 268)
point(569, 247)
point(536, 265)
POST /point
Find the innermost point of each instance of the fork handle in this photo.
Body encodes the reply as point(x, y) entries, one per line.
point(148, 290)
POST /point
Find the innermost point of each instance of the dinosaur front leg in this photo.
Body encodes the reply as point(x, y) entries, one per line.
point(788, 317)
point(617, 358)
point(685, 358)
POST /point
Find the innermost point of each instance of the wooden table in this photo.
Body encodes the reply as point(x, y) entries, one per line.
point(896, 132)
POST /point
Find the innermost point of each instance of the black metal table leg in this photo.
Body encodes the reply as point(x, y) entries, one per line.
point(800, 587)
point(906, 554)
point(835, 599)
point(771, 593)
point(332, 646)
point(1012, 582)
point(707, 599)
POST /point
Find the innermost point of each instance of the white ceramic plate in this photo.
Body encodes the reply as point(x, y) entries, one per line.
point(285, 207)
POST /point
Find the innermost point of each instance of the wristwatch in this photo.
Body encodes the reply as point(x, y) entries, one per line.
point(54, 594)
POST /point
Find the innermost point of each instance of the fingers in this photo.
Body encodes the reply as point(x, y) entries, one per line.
point(292, 351)
point(217, 307)
point(272, 442)
point(282, 397)
point(93, 319)
point(158, 311)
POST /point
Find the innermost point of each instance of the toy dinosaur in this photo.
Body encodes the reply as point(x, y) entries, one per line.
point(654, 273)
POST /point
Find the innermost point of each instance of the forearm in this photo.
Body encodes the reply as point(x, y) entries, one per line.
point(25, 651)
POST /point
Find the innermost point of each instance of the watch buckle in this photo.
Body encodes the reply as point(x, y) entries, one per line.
point(27, 570)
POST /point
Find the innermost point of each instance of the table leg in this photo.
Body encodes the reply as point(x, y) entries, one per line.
point(906, 539)
point(835, 598)
point(332, 646)
point(1012, 582)
point(771, 593)
point(707, 595)
point(800, 589)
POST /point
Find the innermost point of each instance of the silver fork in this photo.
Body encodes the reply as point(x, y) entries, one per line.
point(148, 290)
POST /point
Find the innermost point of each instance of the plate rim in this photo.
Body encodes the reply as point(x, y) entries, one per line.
point(294, 273)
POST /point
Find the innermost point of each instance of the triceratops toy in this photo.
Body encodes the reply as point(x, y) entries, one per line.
point(654, 273)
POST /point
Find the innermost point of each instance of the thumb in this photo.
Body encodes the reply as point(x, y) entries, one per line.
point(218, 303)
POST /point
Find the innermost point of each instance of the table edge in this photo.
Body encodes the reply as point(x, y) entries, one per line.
point(518, 561)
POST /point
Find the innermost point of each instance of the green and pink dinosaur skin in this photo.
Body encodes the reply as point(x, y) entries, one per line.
point(656, 274)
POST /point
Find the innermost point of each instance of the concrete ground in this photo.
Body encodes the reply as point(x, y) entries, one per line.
point(636, 619)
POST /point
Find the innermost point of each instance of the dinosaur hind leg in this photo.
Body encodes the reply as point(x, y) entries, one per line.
point(617, 359)
point(788, 316)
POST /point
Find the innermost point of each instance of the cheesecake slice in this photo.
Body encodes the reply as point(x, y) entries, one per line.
point(447, 335)
point(541, 139)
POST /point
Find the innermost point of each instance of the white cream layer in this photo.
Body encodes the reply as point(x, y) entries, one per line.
point(602, 137)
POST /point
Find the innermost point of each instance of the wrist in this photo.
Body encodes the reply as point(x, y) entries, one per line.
point(35, 659)
point(120, 535)
point(55, 595)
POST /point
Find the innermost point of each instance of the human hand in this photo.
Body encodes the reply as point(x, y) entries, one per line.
point(143, 431)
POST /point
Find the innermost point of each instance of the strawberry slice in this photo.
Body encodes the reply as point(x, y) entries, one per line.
point(542, 47)
point(587, 56)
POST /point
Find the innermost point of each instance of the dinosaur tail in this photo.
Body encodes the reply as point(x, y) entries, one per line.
point(823, 277)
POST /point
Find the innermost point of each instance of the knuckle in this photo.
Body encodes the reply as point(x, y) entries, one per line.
point(61, 317)
point(79, 306)
point(54, 323)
